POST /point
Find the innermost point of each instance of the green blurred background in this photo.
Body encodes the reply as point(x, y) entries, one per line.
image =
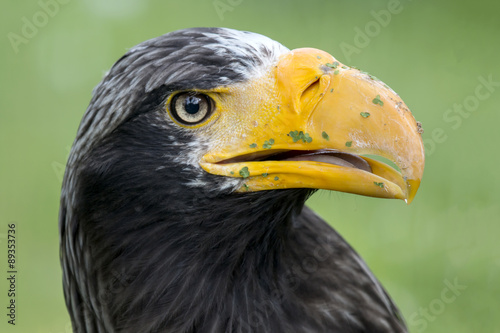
point(435, 54)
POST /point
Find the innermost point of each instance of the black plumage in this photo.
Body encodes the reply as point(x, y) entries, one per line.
point(145, 250)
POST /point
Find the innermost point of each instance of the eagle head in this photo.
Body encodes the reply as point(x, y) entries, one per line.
point(190, 169)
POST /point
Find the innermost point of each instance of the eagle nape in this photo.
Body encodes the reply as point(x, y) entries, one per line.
point(182, 206)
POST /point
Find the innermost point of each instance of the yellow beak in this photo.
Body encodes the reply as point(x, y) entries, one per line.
point(312, 120)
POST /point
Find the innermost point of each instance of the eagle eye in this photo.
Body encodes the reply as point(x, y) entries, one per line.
point(191, 108)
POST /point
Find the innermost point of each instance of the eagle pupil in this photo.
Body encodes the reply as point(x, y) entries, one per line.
point(192, 105)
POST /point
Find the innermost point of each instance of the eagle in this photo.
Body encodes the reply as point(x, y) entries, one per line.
point(182, 205)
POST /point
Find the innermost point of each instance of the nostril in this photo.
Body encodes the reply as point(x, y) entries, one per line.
point(313, 92)
point(310, 93)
